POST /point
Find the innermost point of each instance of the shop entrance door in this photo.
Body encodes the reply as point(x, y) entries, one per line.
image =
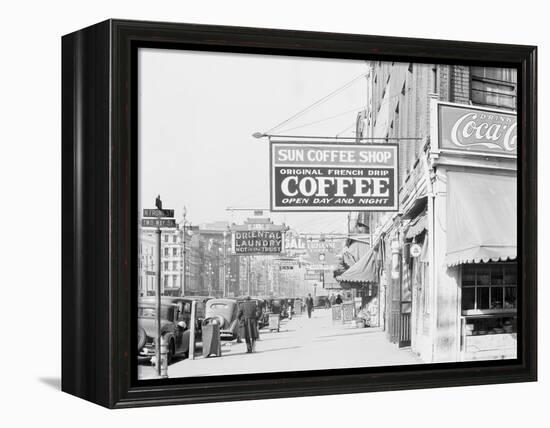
point(405, 304)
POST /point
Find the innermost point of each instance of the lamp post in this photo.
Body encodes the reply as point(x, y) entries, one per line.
point(322, 260)
point(224, 267)
point(183, 269)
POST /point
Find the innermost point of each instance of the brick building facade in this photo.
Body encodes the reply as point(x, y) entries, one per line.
point(430, 301)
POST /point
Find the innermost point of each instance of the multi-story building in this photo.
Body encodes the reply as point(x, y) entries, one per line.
point(221, 275)
point(147, 260)
point(170, 265)
point(446, 262)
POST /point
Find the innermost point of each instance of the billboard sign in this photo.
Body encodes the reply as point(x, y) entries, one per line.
point(471, 129)
point(309, 176)
point(257, 242)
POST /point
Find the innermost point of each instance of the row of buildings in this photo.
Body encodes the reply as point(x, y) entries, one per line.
point(441, 273)
point(194, 261)
point(200, 261)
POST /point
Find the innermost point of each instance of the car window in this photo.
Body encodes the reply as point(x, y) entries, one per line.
point(200, 309)
point(147, 312)
point(218, 305)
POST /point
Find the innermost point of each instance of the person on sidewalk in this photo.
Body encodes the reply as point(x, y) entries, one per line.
point(249, 316)
point(338, 300)
point(309, 305)
point(289, 309)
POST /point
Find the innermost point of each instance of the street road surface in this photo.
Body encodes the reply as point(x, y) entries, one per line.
point(301, 344)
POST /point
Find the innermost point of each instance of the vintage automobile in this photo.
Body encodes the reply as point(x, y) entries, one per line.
point(224, 312)
point(279, 306)
point(320, 301)
point(184, 306)
point(173, 329)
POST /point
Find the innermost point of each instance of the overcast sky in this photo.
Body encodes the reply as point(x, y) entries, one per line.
point(197, 114)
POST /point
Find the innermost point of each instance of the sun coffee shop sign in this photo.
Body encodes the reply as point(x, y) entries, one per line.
point(470, 129)
point(308, 176)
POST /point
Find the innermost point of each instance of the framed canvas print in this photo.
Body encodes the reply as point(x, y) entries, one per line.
point(253, 213)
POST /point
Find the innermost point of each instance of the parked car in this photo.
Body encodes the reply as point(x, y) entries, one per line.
point(173, 328)
point(184, 306)
point(224, 312)
point(320, 301)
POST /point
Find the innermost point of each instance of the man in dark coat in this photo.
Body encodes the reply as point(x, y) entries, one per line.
point(309, 305)
point(338, 300)
point(248, 316)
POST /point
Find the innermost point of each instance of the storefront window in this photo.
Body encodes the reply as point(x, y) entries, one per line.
point(489, 286)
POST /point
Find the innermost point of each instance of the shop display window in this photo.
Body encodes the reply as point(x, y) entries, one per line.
point(489, 287)
point(479, 326)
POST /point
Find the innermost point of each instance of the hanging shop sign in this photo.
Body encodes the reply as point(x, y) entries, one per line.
point(471, 129)
point(416, 250)
point(333, 176)
point(257, 242)
point(312, 276)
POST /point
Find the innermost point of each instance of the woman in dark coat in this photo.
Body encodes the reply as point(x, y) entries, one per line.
point(248, 317)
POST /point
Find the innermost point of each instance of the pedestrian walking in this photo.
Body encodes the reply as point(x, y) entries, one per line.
point(248, 314)
point(309, 305)
point(289, 308)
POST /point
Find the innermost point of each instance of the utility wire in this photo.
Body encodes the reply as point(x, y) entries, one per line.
point(324, 119)
point(346, 128)
point(316, 103)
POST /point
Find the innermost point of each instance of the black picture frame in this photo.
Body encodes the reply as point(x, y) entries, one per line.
point(99, 220)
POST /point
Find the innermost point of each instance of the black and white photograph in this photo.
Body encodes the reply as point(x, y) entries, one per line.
point(300, 213)
point(288, 214)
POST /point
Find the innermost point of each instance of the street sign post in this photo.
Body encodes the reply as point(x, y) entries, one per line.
point(147, 212)
point(157, 222)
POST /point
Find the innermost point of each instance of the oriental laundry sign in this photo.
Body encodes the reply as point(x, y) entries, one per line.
point(471, 129)
point(333, 176)
point(265, 242)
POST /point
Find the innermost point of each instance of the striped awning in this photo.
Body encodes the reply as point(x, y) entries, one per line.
point(362, 271)
point(481, 217)
point(417, 226)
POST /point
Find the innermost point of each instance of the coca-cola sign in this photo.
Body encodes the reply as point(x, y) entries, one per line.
point(477, 130)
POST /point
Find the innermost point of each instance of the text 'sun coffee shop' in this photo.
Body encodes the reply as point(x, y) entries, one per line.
point(447, 276)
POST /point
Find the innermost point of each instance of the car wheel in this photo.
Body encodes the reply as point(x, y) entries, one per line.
point(142, 338)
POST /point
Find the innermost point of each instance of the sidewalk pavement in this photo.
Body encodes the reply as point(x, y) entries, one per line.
point(301, 344)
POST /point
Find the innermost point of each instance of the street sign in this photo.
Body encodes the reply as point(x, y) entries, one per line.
point(286, 267)
point(147, 212)
point(312, 276)
point(307, 176)
point(158, 222)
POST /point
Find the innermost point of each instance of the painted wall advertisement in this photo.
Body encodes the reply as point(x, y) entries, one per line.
point(333, 176)
point(466, 128)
